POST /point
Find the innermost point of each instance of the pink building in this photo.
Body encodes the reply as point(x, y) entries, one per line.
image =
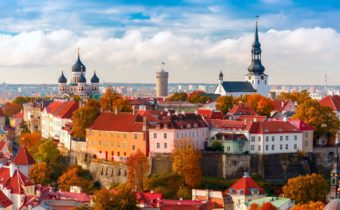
point(176, 127)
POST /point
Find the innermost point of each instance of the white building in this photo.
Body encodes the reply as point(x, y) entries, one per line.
point(274, 137)
point(55, 117)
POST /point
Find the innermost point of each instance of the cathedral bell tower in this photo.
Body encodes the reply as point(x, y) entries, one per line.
point(256, 76)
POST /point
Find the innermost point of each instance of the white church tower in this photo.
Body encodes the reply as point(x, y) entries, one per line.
point(256, 76)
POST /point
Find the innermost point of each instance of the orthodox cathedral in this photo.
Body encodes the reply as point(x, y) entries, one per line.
point(78, 84)
point(256, 81)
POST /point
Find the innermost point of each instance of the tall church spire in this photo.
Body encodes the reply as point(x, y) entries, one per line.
point(256, 66)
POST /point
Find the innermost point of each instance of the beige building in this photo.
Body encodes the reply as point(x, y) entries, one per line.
point(162, 83)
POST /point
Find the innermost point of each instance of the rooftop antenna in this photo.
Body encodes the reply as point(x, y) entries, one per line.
point(326, 81)
point(163, 66)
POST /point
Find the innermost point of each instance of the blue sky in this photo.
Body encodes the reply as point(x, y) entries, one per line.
point(40, 29)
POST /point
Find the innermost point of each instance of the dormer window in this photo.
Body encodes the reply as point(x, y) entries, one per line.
point(231, 191)
point(240, 192)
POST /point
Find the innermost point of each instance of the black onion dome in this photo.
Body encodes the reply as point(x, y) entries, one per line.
point(94, 78)
point(78, 66)
point(256, 67)
point(62, 78)
point(82, 78)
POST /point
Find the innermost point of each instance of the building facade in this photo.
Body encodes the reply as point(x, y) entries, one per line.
point(78, 85)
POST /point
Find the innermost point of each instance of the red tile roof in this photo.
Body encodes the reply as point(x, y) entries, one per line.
point(299, 124)
point(19, 115)
point(151, 115)
point(122, 121)
point(16, 183)
point(149, 199)
point(332, 102)
point(241, 109)
point(3, 145)
point(280, 105)
point(4, 201)
point(185, 205)
point(23, 157)
point(62, 109)
point(2, 114)
point(210, 114)
point(252, 118)
point(272, 127)
point(244, 186)
point(230, 124)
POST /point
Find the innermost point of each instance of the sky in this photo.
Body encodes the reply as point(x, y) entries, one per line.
point(126, 41)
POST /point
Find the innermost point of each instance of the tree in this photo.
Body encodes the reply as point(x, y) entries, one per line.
point(298, 97)
point(260, 104)
point(306, 188)
point(112, 100)
point(30, 141)
point(48, 152)
point(224, 103)
point(184, 192)
point(309, 206)
point(40, 173)
point(83, 117)
point(186, 162)
point(20, 100)
point(323, 120)
point(167, 183)
point(123, 105)
point(11, 109)
point(117, 199)
point(254, 206)
point(197, 97)
point(180, 96)
point(138, 168)
point(217, 146)
point(265, 206)
point(76, 176)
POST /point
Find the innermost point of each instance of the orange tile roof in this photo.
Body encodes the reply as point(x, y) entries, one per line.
point(332, 102)
point(210, 114)
point(272, 127)
point(62, 109)
point(23, 157)
point(122, 121)
point(241, 109)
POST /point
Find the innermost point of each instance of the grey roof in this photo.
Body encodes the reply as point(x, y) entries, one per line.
point(237, 86)
point(82, 78)
point(78, 66)
point(256, 66)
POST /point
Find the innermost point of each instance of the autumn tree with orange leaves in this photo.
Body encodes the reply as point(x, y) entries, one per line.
point(224, 103)
point(186, 162)
point(11, 109)
point(303, 189)
point(265, 206)
point(30, 141)
point(121, 198)
point(260, 104)
point(197, 97)
point(111, 100)
point(76, 176)
point(138, 168)
point(298, 97)
point(40, 173)
point(309, 206)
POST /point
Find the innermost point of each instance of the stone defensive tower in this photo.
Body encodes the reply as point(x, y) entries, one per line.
point(162, 82)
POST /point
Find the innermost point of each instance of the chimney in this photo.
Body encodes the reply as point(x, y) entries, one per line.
point(116, 110)
point(144, 124)
point(133, 109)
point(11, 169)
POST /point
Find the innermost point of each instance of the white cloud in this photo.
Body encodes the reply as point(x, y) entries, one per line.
point(300, 56)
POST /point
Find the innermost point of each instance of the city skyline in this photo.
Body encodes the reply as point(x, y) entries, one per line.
point(126, 41)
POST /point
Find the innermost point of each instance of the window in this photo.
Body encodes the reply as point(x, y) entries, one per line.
point(155, 135)
point(133, 147)
point(165, 145)
point(286, 146)
point(253, 138)
point(100, 142)
point(252, 147)
point(135, 136)
point(295, 137)
point(118, 144)
point(124, 135)
point(158, 146)
point(265, 82)
point(267, 138)
point(177, 135)
point(259, 138)
point(124, 144)
point(306, 142)
point(165, 135)
point(273, 147)
point(273, 138)
point(295, 146)
point(228, 148)
point(258, 81)
point(281, 146)
point(259, 147)
point(281, 138)
point(287, 138)
point(112, 144)
point(267, 147)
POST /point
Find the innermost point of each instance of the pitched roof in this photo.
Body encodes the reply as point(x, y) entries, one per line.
point(23, 157)
point(210, 113)
point(122, 121)
point(279, 105)
point(182, 121)
point(230, 136)
point(299, 124)
point(186, 205)
point(63, 109)
point(16, 183)
point(237, 86)
point(4, 201)
point(244, 186)
point(241, 109)
point(332, 102)
point(149, 199)
point(230, 124)
point(272, 127)
point(3, 145)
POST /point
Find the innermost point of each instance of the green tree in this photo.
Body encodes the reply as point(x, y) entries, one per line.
point(303, 189)
point(224, 103)
point(166, 183)
point(180, 96)
point(83, 117)
point(217, 146)
point(20, 100)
